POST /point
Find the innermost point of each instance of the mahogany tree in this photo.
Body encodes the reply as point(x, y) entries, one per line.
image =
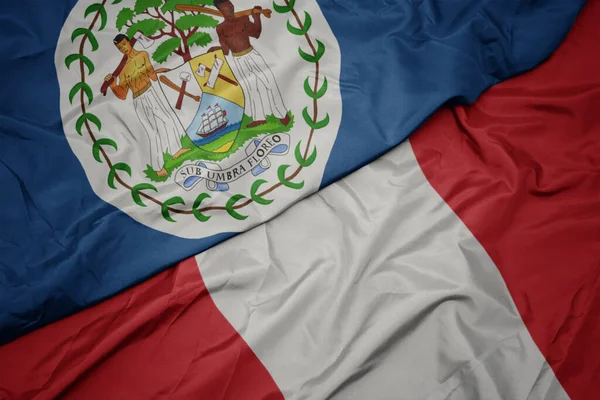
point(159, 19)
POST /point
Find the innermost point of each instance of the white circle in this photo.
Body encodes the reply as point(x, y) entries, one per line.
point(119, 121)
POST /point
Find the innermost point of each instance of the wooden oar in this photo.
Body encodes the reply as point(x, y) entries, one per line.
point(182, 7)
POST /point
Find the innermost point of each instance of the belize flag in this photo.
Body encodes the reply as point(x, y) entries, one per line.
point(137, 134)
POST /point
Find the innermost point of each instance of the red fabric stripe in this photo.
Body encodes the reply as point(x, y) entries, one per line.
point(164, 338)
point(521, 168)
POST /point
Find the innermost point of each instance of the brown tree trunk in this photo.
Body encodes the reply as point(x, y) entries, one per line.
point(186, 49)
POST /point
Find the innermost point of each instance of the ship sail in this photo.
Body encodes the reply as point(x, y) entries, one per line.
point(212, 121)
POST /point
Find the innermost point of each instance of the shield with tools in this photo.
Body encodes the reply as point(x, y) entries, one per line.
point(208, 99)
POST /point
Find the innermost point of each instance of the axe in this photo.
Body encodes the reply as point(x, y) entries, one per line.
point(137, 37)
point(185, 78)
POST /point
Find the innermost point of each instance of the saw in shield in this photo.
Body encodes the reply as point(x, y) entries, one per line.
point(215, 72)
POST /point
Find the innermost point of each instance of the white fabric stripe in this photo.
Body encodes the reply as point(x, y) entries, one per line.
point(374, 289)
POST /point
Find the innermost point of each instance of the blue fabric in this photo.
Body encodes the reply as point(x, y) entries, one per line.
point(402, 60)
point(63, 249)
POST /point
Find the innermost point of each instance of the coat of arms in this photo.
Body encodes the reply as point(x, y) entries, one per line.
point(204, 114)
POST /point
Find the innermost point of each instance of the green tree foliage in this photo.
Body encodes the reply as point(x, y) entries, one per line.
point(195, 21)
point(125, 16)
point(148, 27)
point(143, 5)
point(176, 30)
point(201, 39)
point(165, 49)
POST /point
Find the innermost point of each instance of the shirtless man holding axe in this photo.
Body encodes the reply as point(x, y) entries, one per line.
point(260, 88)
point(163, 128)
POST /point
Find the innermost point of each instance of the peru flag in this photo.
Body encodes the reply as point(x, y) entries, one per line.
point(463, 264)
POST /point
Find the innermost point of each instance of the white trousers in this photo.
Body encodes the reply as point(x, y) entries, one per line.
point(163, 128)
point(262, 96)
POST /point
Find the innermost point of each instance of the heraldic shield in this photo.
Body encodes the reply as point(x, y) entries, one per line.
point(207, 99)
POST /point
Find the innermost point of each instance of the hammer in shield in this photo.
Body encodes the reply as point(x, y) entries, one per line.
point(185, 78)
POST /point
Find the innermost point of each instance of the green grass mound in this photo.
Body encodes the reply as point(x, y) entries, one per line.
point(206, 152)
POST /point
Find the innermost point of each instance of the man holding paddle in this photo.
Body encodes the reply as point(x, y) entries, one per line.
point(163, 128)
point(260, 88)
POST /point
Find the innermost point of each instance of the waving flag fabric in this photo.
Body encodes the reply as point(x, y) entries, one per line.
point(138, 133)
point(460, 265)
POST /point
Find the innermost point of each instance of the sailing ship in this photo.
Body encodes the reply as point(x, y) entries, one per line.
point(213, 121)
